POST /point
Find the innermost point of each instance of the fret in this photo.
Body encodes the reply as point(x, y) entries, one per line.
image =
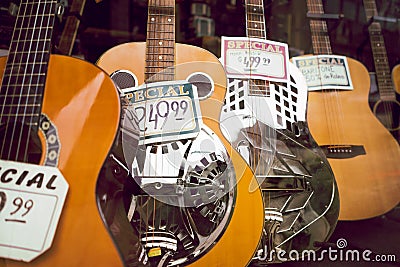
point(162, 39)
point(33, 117)
point(34, 28)
point(157, 46)
point(27, 81)
point(34, 16)
point(16, 96)
point(20, 111)
point(156, 31)
point(259, 88)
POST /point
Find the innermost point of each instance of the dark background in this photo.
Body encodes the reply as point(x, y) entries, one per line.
point(111, 22)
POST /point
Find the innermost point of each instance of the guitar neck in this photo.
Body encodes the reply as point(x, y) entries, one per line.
point(382, 69)
point(256, 28)
point(319, 29)
point(25, 72)
point(160, 42)
point(71, 27)
point(255, 19)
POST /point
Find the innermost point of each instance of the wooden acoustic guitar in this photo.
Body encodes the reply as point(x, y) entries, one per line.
point(301, 202)
point(362, 153)
point(57, 113)
point(387, 107)
point(219, 233)
point(112, 178)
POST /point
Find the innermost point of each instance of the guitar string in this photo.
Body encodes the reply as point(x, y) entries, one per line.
point(148, 57)
point(10, 67)
point(317, 40)
point(332, 102)
point(42, 62)
point(255, 22)
point(15, 131)
point(256, 17)
point(9, 71)
point(27, 83)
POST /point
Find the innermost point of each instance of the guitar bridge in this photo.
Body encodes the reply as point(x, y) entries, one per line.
point(343, 151)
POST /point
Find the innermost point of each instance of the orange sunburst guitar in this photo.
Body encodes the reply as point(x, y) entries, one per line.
point(363, 155)
point(52, 110)
point(387, 107)
point(205, 230)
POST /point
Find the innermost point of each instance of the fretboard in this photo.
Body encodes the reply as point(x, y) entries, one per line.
point(319, 29)
point(25, 73)
point(256, 28)
point(160, 43)
point(255, 20)
point(382, 69)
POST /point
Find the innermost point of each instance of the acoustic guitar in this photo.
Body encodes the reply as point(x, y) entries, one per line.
point(387, 107)
point(112, 177)
point(52, 109)
point(362, 153)
point(179, 220)
point(301, 202)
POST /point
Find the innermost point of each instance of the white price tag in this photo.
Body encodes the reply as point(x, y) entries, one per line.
point(255, 58)
point(325, 72)
point(166, 111)
point(31, 201)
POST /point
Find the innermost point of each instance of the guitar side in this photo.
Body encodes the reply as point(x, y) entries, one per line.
point(240, 239)
point(368, 184)
point(83, 104)
point(396, 78)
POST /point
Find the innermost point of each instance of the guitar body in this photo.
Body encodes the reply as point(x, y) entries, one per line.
point(368, 183)
point(396, 78)
point(82, 103)
point(239, 241)
point(299, 191)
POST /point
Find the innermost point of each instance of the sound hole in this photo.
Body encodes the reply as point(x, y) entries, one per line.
point(388, 113)
point(204, 84)
point(20, 143)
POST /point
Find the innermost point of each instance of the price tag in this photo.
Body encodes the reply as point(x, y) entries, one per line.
point(255, 58)
point(166, 111)
point(325, 72)
point(31, 201)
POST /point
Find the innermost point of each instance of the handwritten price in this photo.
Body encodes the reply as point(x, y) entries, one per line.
point(161, 110)
point(254, 62)
point(18, 203)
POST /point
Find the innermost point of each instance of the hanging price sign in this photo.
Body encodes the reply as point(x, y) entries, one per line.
point(166, 111)
point(325, 72)
point(255, 58)
point(31, 201)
